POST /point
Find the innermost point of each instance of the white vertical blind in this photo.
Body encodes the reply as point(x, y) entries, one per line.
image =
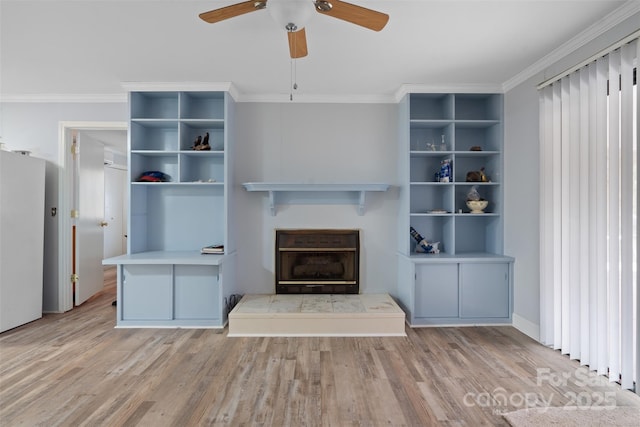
point(585, 184)
point(593, 264)
point(587, 207)
point(565, 211)
point(573, 197)
point(637, 202)
point(627, 56)
point(614, 217)
point(602, 67)
point(557, 217)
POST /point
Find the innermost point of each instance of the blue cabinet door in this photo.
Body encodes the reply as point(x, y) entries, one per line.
point(197, 292)
point(436, 291)
point(484, 290)
point(147, 292)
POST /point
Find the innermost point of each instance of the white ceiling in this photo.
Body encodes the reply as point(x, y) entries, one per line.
point(53, 48)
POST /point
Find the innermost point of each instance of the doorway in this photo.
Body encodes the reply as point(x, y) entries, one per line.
point(112, 136)
point(115, 208)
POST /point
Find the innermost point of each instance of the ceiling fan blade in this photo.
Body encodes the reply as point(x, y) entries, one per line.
point(227, 12)
point(358, 15)
point(297, 43)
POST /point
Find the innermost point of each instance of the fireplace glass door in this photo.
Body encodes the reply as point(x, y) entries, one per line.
point(317, 261)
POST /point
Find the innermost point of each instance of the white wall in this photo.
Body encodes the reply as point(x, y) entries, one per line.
point(522, 167)
point(290, 142)
point(35, 127)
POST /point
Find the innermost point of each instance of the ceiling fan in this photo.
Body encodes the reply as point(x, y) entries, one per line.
point(293, 14)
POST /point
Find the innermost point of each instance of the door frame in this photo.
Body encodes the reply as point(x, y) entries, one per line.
point(66, 130)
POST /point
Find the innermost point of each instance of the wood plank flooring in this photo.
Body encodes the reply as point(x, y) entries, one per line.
point(75, 369)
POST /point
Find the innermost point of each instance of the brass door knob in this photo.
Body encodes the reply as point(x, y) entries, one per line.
point(103, 223)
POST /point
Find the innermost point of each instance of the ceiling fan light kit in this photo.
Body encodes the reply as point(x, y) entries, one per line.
point(293, 15)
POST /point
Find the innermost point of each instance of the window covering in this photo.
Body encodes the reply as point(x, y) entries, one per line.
point(588, 214)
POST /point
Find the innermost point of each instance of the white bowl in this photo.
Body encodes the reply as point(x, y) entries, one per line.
point(477, 206)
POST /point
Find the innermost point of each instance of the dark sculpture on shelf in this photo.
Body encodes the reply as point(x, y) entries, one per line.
point(202, 144)
point(477, 176)
point(197, 143)
point(205, 142)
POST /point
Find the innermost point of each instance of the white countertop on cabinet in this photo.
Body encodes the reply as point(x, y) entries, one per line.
point(422, 258)
point(166, 257)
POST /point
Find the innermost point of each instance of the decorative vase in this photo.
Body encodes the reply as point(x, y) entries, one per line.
point(477, 206)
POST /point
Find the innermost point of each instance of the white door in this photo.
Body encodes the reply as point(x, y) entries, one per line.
point(90, 220)
point(114, 211)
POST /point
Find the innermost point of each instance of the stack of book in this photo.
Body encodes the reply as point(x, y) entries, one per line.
point(213, 249)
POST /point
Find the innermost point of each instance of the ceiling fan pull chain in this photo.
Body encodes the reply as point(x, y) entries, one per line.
point(293, 64)
point(295, 74)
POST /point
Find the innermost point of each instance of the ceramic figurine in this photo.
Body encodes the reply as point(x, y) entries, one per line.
point(477, 176)
point(197, 142)
point(205, 142)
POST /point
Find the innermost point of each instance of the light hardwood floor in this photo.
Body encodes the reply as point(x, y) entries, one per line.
point(75, 369)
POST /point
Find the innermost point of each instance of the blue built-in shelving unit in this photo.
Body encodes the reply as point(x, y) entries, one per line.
point(164, 280)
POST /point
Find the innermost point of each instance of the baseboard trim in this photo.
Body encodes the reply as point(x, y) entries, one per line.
point(527, 327)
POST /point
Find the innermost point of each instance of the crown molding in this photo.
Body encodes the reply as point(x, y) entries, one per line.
point(87, 98)
point(177, 87)
point(122, 97)
point(446, 88)
point(302, 98)
point(619, 15)
point(181, 87)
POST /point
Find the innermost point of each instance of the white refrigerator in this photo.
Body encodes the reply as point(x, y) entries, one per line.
point(22, 180)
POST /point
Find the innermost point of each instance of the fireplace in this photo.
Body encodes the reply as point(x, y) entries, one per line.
point(312, 261)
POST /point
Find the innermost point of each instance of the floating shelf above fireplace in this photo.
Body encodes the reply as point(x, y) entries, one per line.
point(300, 193)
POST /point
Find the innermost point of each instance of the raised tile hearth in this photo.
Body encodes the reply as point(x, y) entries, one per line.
point(316, 315)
